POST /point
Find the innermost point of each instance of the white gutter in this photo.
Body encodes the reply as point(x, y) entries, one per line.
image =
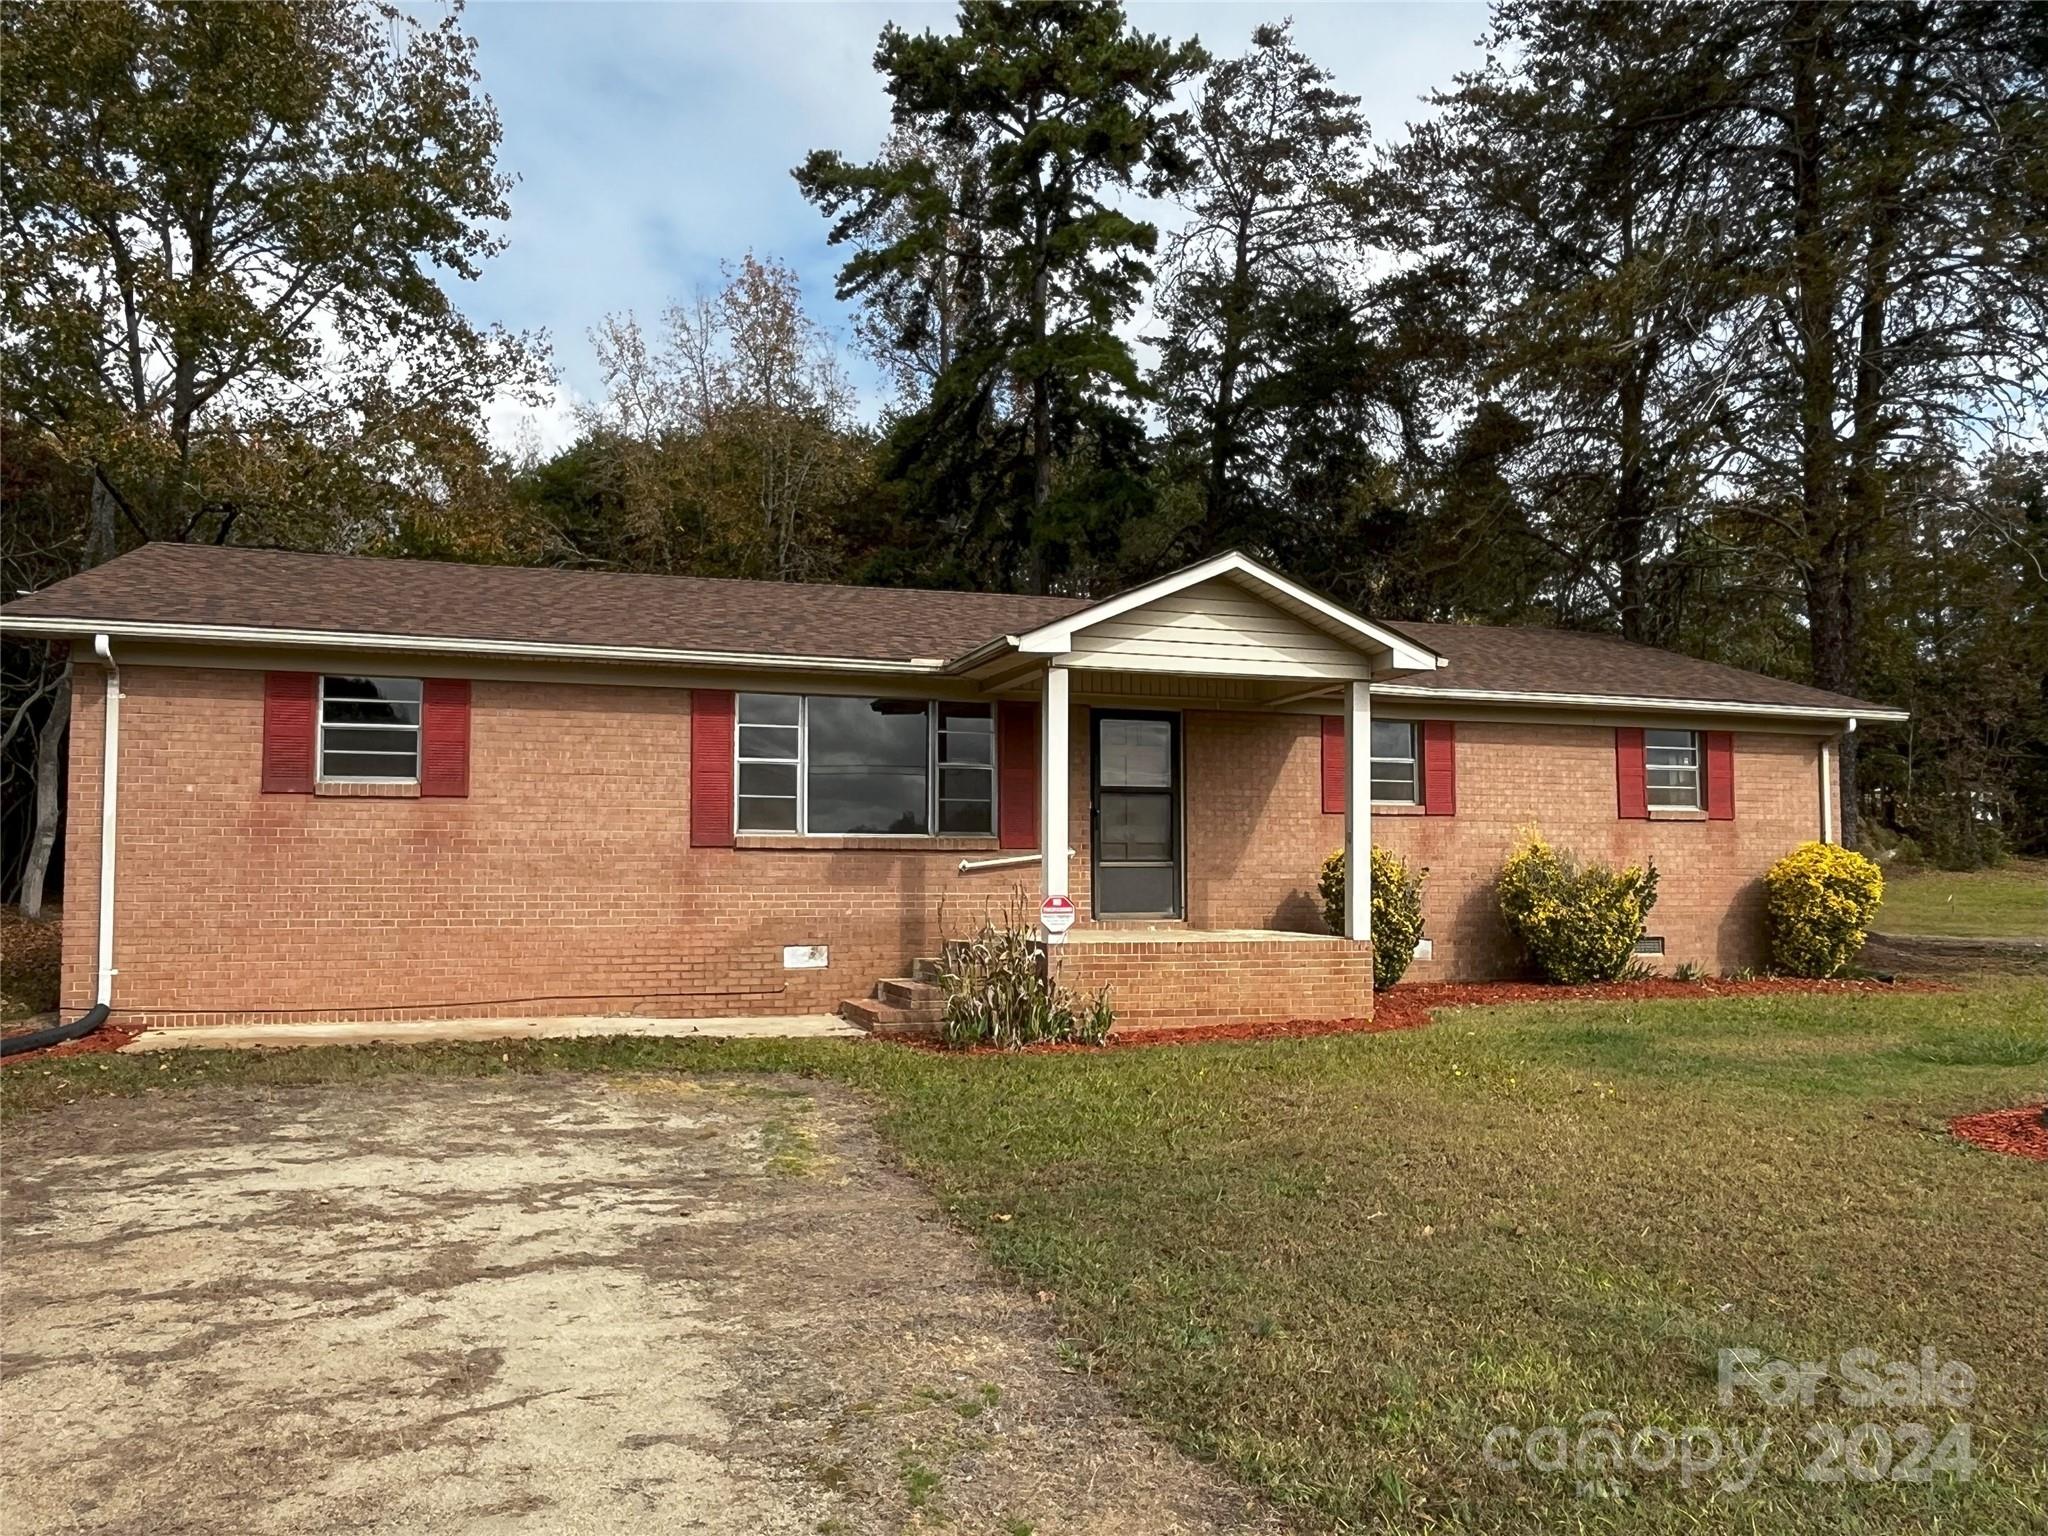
point(452, 645)
point(110, 771)
point(1618, 701)
point(449, 645)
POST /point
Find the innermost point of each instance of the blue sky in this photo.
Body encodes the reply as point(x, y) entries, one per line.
point(652, 141)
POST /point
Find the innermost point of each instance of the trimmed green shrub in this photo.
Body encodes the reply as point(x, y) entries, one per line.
point(1002, 988)
point(1578, 922)
point(1396, 911)
point(1818, 902)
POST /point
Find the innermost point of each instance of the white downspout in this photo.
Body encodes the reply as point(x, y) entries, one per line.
point(1827, 785)
point(110, 767)
point(1827, 792)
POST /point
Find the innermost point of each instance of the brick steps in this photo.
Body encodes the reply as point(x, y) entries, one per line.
point(911, 995)
point(901, 1005)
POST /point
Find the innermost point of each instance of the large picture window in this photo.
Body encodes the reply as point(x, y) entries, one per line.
point(1395, 780)
point(370, 729)
point(825, 764)
point(1671, 770)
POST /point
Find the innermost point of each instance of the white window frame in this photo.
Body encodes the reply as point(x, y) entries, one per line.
point(1413, 760)
point(418, 728)
point(800, 762)
point(1697, 767)
point(940, 766)
point(803, 769)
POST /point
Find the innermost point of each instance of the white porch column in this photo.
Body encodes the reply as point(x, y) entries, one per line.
point(1357, 811)
point(1055, 767)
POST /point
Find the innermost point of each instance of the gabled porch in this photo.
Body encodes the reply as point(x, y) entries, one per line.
point(1115, 685)
point(1176, 733)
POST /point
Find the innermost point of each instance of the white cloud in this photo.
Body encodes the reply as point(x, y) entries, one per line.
point(526, 431)
point(653, 141)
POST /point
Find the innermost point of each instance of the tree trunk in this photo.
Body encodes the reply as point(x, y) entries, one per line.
point(49, 775)
point(1220, 525)
point(1832, 568)
point(1831, 629)
point(1631, 531)
point(99, 547)
point(1041, 436)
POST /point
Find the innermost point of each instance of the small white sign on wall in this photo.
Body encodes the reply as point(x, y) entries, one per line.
point(1425, 949)
point(804, 957)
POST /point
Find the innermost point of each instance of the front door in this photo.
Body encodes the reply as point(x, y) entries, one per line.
point(1135, 798)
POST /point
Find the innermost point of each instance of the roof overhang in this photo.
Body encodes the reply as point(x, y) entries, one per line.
point(1393, 652)
point(1636, 704)
point(202, 635)
point(454, 645)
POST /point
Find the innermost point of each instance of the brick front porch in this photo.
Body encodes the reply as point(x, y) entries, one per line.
point(1169, 976)
point(1174, 976)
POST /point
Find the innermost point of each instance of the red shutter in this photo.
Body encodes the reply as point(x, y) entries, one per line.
point(1439, 768)
point(289, 702)
point(1017, 773)
point(1333, 765)
point(1720, 756)
point(444, 738)
point(1631, 782)
point(711, 727)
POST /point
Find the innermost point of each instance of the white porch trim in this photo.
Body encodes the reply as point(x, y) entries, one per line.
point(1357, 811)
point(1057, 638)
point(1054, 768)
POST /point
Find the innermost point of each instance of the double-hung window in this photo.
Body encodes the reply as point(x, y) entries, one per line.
point(370, 729)
point(824, 763)
point(1396, 779)
point(770, 762)
point(1671, 770)
point(966, 757)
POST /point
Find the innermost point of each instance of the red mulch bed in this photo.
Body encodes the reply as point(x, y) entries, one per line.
point(1411, 1006)
point(108, 1037)
point(2017, 1132)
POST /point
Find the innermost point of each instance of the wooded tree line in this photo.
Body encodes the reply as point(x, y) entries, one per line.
point(1718, 327)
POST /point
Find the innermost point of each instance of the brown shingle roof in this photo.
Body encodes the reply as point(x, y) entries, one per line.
point(271, 589)
point(1502, 659)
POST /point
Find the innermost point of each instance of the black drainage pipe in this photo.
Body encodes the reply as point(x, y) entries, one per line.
point(57, 1034)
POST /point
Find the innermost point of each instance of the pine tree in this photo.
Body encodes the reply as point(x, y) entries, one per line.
point(1273, 216)
point(1052, 111)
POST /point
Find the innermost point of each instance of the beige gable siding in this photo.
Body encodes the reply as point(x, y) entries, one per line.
point(1221, 629)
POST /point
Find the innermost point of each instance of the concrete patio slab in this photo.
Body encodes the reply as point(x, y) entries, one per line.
point(801, 1026)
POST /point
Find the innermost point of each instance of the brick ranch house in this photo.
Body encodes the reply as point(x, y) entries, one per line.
point(342, 788)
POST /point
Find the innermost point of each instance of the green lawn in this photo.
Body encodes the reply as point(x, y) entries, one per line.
point(1334, 1265)
point(2010, 902)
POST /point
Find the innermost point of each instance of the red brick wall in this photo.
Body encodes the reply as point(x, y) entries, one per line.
point(1218, 982)
point(1560, 778)
point(565, 883)
point(1255, 865)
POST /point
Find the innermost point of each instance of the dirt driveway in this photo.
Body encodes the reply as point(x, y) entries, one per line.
point(543, 1304)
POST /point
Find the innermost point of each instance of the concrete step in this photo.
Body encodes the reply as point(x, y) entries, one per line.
point(880, 1018)
point(920, 996)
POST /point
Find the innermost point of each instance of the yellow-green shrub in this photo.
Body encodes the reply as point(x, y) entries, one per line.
point(1396, 911)
point(1818, 902)
point(1578, 922)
